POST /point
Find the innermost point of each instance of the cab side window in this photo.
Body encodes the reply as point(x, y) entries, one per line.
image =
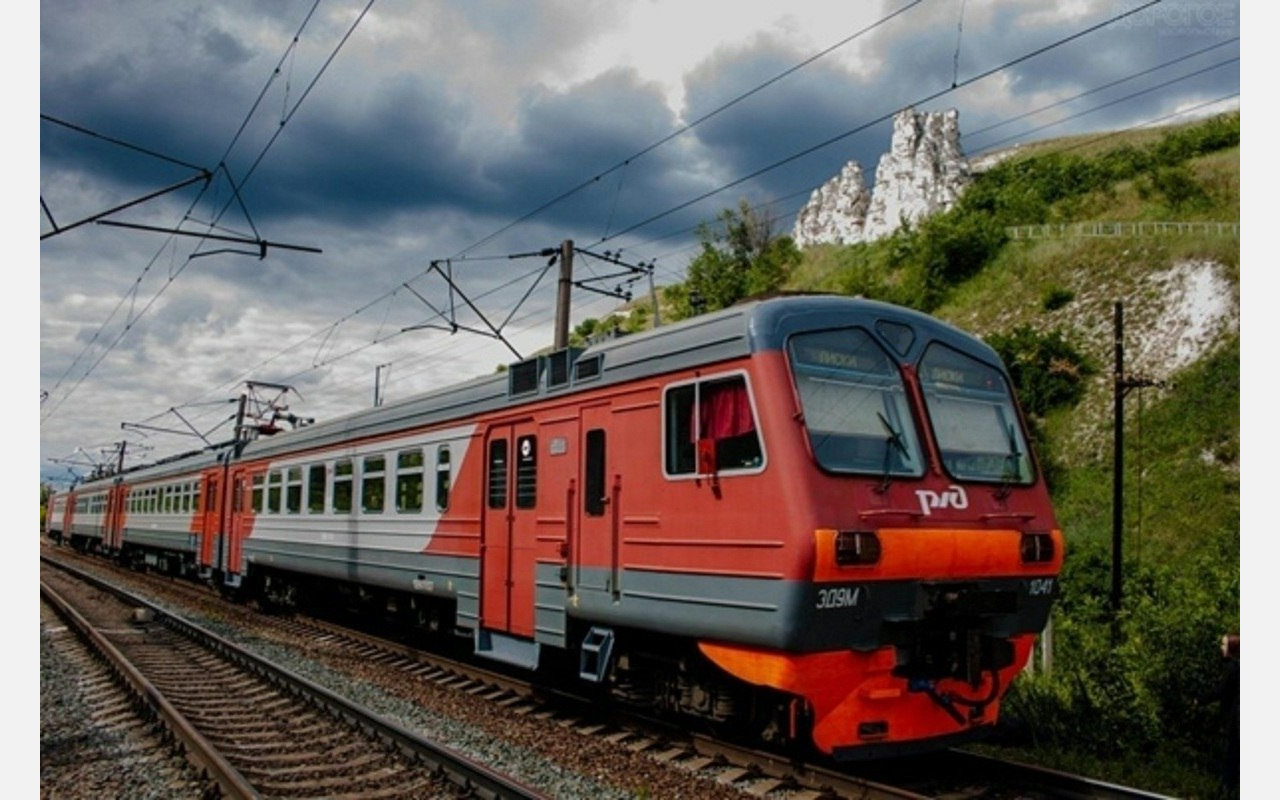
point(710, 427)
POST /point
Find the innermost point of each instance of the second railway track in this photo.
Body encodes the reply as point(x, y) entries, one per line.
point(274, 734)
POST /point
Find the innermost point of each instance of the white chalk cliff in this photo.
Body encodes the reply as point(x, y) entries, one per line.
point(923, 173)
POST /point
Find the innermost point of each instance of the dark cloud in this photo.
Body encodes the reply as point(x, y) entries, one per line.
point(797, 113)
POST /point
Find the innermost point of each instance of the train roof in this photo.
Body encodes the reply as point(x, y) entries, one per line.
point(732, 333)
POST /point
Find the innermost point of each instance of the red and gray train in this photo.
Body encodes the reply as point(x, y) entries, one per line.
point(814, 518)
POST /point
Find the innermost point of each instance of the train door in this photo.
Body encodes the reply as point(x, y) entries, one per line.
point(211, 526)
point(68, 510)
point(113, 521)
point(231, 555)
point(595, 549)
point(509, 534)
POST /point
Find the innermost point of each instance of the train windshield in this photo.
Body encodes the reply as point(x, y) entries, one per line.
point(973, 418)
point(855, 404)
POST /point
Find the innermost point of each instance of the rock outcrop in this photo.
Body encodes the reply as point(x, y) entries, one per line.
point(923, 173)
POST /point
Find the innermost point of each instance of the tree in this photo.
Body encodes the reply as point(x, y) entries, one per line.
point(740, 257)
point(45, 491)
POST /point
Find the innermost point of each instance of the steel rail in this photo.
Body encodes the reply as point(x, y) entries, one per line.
point(1042, 777)
point(198, 749)
point(463, 772)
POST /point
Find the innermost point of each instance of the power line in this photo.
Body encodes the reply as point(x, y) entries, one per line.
point(685, 128)
point(235, 190)
point(1118, 100)
point(883, 117)
point(212, 225)
point(1105, 86)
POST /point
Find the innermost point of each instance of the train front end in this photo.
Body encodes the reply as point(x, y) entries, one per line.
point(930, 552)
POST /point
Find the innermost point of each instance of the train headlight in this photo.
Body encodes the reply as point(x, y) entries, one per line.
point(857, 548)
point(1037, 548)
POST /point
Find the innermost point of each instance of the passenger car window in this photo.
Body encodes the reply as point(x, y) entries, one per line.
point(373, 484)
point(409, 468)
point(342, 487)
point(443, 478)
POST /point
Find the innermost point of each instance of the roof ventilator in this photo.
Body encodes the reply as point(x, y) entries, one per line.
point(526, 377)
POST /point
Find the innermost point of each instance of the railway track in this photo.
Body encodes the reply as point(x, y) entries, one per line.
point(416, 674)
point(255, 728)
point(94, 738)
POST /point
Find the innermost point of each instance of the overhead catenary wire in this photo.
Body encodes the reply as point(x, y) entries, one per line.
point(1117, 101)
point(132, 292)
point(1104, 87)
point(174, 275)
point(881, 118)
point(687, 127)
point(625, 162)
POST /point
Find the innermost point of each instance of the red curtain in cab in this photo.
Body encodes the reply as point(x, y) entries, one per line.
point(725, 410)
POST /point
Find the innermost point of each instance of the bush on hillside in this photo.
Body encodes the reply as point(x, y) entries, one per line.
point(1055, 298)
point(1047, 371)
point(1177, 186)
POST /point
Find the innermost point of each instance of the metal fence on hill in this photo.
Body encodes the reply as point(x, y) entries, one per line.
point(1123, 229)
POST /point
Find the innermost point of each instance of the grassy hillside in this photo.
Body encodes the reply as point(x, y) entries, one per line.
point(1147, 709)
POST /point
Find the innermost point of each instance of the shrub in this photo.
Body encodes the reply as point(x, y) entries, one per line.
point(1047, 370)
point(1055, 298)
point(1178, 186)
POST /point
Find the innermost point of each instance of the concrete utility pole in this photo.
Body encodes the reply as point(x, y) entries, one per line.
point(653, 294)
point(562, 294)
point(240, 411)
point(1117, 477)
point(1122, 384)
point(377, 383)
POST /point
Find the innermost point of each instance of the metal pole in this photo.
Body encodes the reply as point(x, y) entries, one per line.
point(653, 293)
point(1117, 478)
point(240, 410)
point(377, 383)
point(562, 294)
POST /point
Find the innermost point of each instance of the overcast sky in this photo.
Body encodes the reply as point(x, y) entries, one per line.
point(436, 126)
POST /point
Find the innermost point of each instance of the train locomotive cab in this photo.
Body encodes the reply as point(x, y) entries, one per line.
point(932, 552)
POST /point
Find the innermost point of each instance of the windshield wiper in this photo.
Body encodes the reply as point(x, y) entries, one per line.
point(895, 439)
point(1011, 470)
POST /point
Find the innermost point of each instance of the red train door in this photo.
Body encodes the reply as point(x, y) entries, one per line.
point(509, 535)
point(113, 523)
point(595, 552)
point(241, 523)
point(211, 517)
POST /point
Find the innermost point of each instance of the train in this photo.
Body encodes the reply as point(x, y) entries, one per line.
point(814, 519)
